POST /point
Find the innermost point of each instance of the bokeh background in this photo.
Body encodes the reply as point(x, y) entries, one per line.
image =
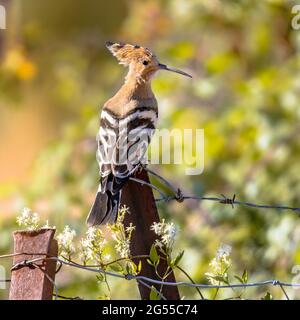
point(55, 74)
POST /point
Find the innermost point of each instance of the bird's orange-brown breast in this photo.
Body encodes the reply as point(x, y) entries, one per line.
point(131, 96)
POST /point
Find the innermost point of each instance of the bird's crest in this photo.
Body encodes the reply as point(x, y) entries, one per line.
point(127, 53)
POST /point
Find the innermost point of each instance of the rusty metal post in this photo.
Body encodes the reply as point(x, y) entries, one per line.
point(143, 213)
point(31, 282)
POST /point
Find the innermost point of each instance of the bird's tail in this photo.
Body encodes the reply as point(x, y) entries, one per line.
point(106, 205)
point(104, 209)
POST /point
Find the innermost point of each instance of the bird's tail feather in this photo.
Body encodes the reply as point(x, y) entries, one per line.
point(106, 205)
point(104, 209)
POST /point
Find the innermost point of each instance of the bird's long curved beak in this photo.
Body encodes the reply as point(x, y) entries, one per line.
point(165, 67)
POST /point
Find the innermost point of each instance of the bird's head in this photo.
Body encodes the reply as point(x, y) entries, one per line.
point(142, 63)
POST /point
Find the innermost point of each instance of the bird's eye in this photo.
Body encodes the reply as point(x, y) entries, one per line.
point(145, 62)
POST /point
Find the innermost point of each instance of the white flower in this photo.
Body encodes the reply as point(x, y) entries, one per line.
point(130, 229)
point(91, 233)
point(158, 244)
point(106, 258)
point(121, 214)
point(65, 242)
point(166, 231)
point(122, 235)
point(224, 250)
point(220, 265)
point(28, 219)
point(157, 227)
point(123, 248)
point(170, 233)
point(92, 246)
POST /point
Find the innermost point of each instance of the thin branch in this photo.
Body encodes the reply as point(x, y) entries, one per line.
point(191, 279)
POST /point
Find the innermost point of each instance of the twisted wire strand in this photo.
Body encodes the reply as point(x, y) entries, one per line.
point(143, 279)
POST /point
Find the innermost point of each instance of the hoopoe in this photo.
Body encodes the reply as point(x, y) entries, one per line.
point(127, 124)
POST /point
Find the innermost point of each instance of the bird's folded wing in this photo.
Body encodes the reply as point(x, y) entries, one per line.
point(123, 142)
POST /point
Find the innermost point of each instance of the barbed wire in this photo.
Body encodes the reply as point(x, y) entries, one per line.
point(180, 197)
point(146, 281)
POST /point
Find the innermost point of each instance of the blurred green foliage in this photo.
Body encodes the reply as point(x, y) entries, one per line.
point(245, 93)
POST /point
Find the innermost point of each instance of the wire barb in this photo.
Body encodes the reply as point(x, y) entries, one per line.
point(228, 200)
point(180, 197)
point(24, 263)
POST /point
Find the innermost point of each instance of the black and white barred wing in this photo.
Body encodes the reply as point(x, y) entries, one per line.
point(122, 145)
point(123, 142)
point(135, 134)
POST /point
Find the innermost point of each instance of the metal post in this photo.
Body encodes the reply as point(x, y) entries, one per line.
point(32, 281)
point(143, 213)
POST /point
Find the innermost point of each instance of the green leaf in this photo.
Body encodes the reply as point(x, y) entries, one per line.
point(154, 294)
point(150, 262)
point(116, 267)
point(153, 254)
point(221, 279)
point(169, 261)
point(267, 296)
point(245, 276)
point(139, 268)
point(100, 277)
point(175, 261)
point(162, 250)
point(133, 266)
point(239, 278)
